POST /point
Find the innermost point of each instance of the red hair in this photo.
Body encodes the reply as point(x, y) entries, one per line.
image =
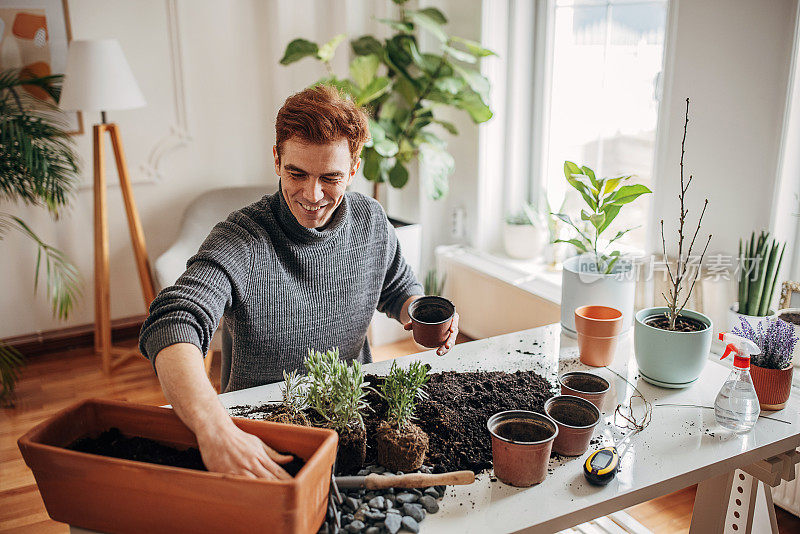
point(320, 114)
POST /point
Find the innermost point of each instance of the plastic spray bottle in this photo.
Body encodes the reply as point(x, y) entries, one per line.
point(736, 407)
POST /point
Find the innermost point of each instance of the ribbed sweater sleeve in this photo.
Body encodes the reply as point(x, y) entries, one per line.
point(216, 278)
point(399, 283)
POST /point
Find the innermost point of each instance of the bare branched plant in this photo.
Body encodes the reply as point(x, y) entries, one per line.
point(682, 273)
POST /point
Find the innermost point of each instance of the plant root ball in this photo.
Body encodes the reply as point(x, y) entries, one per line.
point(352, 450)
point(401, 450)
point(282, 415)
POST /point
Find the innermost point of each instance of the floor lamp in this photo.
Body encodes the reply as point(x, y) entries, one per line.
point(98, 78)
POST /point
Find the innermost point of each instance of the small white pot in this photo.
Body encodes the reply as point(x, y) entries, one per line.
point(581, 285)
point(796, 352)
point(734, 317)
point(524, 241)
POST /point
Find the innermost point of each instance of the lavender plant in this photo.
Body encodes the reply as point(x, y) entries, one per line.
point(402, 389)
point(336, 390)
point(776, 342)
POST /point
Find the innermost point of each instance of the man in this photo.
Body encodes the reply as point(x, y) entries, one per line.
point(303, 268)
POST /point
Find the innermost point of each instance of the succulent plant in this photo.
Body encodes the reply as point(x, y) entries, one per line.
point(776, 342)
point(760, 263)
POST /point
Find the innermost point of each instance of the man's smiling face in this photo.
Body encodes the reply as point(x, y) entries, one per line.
point(314, 178)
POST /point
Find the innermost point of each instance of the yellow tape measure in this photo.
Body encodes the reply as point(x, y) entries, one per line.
point(601, 466)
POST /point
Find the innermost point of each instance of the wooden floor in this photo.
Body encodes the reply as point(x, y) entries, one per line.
point(54, 381)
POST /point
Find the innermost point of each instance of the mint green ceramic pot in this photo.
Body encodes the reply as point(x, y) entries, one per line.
point(670, 359)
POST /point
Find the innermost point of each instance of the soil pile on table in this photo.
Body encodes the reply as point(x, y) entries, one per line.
point(113, 444)
point(454, 415)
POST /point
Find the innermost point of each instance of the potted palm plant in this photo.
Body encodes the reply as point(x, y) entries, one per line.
point(402, 445)
point(672, 343)
point(760, 261)
point(597, 276)
point(771, 369)
point(38, 167)
point(336, 394)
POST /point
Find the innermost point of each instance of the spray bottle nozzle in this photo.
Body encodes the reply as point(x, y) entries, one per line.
point(741, 347)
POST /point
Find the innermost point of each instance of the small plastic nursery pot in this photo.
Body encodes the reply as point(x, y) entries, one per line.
point(430, 320)
point(521, 445)
point(598, 330)
point(586, 386)
point(773, 386)
point(670, 359)
point(576, 419)
point(115, 495)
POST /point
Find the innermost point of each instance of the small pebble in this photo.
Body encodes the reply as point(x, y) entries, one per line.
point(416, 492)
point(404, 498)
point(414, 510)
point(372, 530)
point(441, 490)
point(363, 472)
point(351, 504)
point(429, 503)
point(360, 514)
point(356, 526)
point(432, 492)
point(426, 469)
point(393, 511)
point(410, 524)
point(375, 515)
point(393, 523)
point(391, 498)
point(378, 502)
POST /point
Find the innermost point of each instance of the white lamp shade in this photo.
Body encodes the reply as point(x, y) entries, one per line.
point(98, 78)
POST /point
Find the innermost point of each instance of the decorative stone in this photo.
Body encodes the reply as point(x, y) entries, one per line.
point(356, 526)
point(378, 502)
point(393, 523)
point(414, 510)
point(404, 498)
point(347, 518)
point(375, 515)
point(410, 523)
point(360, 514)
point(432, 492)
point(429, 503)
point(426, 469)
point(363, 472)
point(372, 530)
point(351, 504)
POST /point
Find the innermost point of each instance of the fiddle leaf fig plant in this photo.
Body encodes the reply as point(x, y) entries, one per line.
point(404, 88)
point(604, 198)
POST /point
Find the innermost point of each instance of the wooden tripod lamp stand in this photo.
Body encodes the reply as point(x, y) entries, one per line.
point(98, 78)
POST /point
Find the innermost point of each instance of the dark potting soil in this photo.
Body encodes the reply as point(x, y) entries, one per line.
point(454, 415)
point(572, 414)
point(430, 314)
point(682, 324)
point(522, 431)
point(401, 449)
point(585, 384)
point(113, 444)
point(793, 318)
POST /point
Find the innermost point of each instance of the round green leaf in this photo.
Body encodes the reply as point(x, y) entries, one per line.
point(297, 50)
point(398, 176)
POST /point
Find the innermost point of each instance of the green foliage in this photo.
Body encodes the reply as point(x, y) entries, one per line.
point(760, 262)
point(604, 197)
point(336, 390)
point(294, 393)
point(403, 88)
point(434, 284)
point(402, 389)
point(38, 167)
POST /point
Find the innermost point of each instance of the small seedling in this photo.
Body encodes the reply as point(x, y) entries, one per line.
point(402, 388)
point(336, 390)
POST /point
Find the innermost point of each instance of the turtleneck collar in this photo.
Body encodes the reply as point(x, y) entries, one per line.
point(299, 233)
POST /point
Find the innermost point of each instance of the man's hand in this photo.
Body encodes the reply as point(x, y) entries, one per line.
point(236, 452)
point(452, 334)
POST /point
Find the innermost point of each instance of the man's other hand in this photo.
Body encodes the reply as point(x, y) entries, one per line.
point(452, 334)
point(236, 452)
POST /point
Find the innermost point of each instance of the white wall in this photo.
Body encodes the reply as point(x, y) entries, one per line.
point(732, 59)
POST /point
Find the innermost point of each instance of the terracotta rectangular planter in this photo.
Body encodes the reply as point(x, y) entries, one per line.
point(115, 495)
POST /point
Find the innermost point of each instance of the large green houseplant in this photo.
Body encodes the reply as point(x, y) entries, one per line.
point(38, 167)
point(403, 87)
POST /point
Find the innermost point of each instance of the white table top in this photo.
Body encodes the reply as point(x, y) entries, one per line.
point(681, 447)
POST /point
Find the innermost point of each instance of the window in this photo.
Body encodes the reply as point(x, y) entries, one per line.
point(602, 84)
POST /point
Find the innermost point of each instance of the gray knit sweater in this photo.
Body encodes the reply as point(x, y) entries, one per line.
point(283, 289)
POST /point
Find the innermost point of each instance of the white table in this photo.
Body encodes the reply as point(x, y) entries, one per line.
point(681, 447)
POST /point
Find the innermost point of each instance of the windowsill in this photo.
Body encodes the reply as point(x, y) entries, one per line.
point(532, 276)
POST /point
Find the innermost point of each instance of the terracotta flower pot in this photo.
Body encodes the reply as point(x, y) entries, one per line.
point(773, 386)
point(114, 495)
point(431, 318)
point(521, 445)
point(586, 386)
point(576, 419)
point(401, 450)
point(598, 330)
